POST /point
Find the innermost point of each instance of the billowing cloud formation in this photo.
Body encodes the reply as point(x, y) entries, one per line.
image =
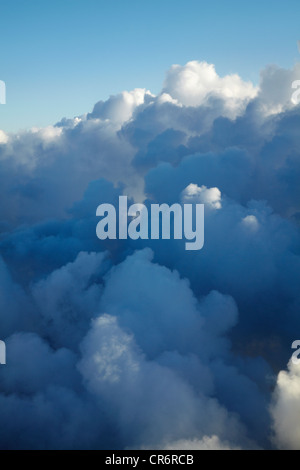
point(141, 344)
point(120, 108)
point(196, 82)
point(286, 409)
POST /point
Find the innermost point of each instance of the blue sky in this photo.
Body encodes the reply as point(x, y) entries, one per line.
point(59, 57)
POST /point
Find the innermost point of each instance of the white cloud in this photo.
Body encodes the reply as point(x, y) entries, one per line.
point(275, 90)
point(120, 108)
point(211, 197)
point(3, 137)
point(286, 409)
point(194, 83)
point(251, 223)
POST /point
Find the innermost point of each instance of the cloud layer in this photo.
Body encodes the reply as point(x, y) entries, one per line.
point(135, 344)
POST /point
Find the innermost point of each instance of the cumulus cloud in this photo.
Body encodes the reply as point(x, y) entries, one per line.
point(195, 83)
point(69, 298)
point(120, 108)
point(148, 401)
point(286, 408)
point(211, 197)
point(3, 138)
point(140, 344)
point(275, 89)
